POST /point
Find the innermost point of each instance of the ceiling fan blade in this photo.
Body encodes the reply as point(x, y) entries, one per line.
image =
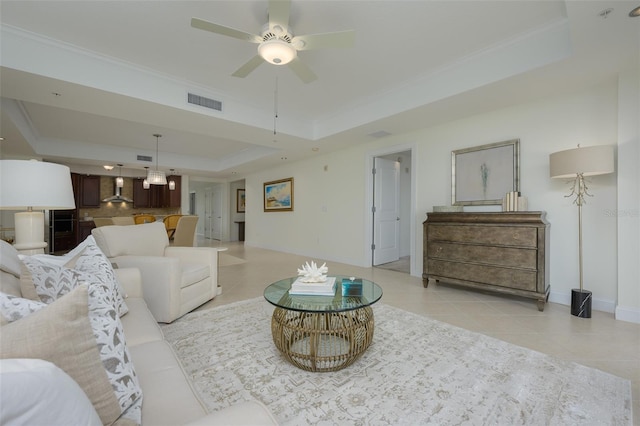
point(302, 70)
point(226, 31)
point(247, 68)
point(341, 39)
point(279, 13)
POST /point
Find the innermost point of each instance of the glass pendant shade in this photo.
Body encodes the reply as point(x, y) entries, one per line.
point(145, 184)
point(119, 182)
point(156, 177)
point(172, 185)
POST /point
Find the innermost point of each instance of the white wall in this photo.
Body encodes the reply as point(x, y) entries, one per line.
point(330, 209)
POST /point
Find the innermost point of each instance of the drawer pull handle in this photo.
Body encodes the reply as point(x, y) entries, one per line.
point(516, 236)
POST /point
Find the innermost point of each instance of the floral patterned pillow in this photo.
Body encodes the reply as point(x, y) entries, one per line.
point(77, 332)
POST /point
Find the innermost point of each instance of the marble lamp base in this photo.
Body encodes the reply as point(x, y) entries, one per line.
point(580, 303)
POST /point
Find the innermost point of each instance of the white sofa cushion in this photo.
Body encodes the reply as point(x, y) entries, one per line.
point(150, 240)
point(81, 334)
point(9, 260)
point(36, 392)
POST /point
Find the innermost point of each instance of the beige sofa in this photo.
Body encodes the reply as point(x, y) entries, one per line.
point(168, 398)
point(176, 280)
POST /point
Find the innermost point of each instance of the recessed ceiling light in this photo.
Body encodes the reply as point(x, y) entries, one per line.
point(108, 167)
point(1, 138)
point(315, 149)
point(635, 12)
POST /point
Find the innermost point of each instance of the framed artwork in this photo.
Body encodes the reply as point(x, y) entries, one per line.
point(240, 201)
point(278, 195)
point(482, 175)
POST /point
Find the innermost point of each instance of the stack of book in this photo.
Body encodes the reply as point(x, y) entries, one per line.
point(327, 288)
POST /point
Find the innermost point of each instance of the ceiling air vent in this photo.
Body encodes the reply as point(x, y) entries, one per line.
point(145, 158)
point(204, 102)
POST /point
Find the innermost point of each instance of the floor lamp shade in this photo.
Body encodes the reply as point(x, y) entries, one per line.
point(588, 161)
point(33, 185)
point(576, 164)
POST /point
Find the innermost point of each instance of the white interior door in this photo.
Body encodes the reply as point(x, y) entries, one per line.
point(386, 211)
point(216, 213)
point(208, 214)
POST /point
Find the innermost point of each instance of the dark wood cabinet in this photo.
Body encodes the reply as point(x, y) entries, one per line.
point(89, 191)
point(157, 196)
point(84, 229)
point(141, 196)
point(501, 252)
point(174, 196)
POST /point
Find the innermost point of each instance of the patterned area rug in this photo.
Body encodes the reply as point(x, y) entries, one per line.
point(416, 371)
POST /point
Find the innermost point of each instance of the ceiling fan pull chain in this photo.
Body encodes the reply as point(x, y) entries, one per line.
point(275, 106)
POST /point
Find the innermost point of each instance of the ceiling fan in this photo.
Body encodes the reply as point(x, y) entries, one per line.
point(277, 44)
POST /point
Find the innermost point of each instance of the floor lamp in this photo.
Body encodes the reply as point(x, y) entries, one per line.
point(33, 186)
point(576, 164)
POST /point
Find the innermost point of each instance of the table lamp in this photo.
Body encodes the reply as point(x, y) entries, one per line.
point(576, 164)
point(33, 186)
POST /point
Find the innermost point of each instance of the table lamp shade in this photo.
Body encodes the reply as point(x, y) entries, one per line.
point(589, 161)
point(33, 186)
point(30, 184)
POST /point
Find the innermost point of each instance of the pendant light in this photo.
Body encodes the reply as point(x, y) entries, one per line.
point(145, 182)
point(119, 179)
point(156, 177)
point(172, 183)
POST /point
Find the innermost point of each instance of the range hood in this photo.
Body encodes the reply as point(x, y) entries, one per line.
point(117, 197)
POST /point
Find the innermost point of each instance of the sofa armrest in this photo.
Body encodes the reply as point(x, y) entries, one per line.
point(161, 280)
point(194, 254)
point(207, 255)
point(130, 280)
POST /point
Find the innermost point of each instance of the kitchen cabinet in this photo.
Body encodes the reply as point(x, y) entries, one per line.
point(89, 191)
point(157, 196)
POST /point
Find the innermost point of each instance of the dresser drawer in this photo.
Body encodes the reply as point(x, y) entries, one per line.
point(521, 279)
point(479, 234)
point(491, 255)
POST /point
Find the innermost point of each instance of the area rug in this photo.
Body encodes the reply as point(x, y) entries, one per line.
point(416, 371)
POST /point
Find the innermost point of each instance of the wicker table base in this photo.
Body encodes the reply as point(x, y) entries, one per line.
point(322, 341)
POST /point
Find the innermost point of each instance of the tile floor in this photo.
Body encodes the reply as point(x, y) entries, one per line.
point(600, 342)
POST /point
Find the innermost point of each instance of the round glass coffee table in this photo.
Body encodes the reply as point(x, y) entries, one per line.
point(323, 333)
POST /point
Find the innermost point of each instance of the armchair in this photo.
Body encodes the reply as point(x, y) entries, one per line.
point(175, 280)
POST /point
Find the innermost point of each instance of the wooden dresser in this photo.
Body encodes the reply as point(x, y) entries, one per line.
point(502, 252)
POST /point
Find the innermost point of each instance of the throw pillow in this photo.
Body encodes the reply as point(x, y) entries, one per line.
point(45, 281)
point(36, 392)
point(82, 334)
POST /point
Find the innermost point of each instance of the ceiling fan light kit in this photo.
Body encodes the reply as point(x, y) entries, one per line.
point(277, 51)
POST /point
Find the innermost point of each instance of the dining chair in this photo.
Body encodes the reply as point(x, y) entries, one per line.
point(144, 218)
point(185, 233)
point(170, 222)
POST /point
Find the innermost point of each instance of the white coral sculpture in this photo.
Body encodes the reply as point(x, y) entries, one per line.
point(312, 273)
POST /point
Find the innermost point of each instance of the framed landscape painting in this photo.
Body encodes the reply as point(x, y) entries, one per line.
point(278, 195)
point(482, 175)
point(240, 201)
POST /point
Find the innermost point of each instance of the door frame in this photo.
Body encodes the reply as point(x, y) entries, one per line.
point(368, 213)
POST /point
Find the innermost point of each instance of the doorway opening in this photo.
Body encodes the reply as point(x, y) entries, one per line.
point(392, 240)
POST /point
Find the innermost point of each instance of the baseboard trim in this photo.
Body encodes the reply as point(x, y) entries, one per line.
point(608, 306)
point(624, 313)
